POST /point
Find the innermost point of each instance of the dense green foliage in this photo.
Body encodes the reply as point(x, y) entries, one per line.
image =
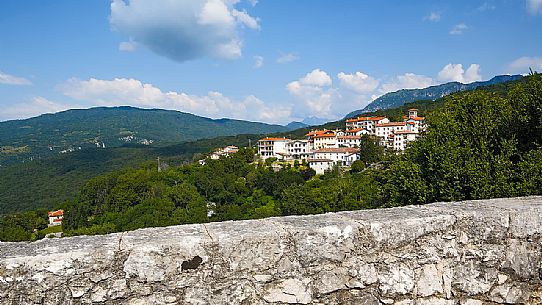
point(228, 189)
point(399, 98)
point(48, 182)
point(480, 144)
point(48, 134)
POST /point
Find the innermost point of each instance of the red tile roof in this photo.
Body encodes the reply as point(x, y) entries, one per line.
point(274, 139)
point(56, 213)
point(366, 118)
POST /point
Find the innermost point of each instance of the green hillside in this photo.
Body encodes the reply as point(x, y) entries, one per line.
point(47, 182)
point(50, 134)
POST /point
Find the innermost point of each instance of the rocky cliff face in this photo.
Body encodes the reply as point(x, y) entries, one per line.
point(480, 252)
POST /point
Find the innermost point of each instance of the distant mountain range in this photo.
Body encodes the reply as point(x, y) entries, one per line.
point(70, 130)
point(401, 97)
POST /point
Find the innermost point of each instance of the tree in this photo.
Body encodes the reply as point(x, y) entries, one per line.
point(370, 150)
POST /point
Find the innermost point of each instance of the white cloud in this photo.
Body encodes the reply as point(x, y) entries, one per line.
point(433, 17)
point(406, 81)
point(8, 79)
point(358, 82)
point(122, 91)
point(316, 77)
point(455, 72)
point(286, 58)
point(458, 29)
point(244, 18)
point(315, 92)
point(258, 62)
point(183, 30)
point(523, 64)
point(534, 7)
point(36, 106)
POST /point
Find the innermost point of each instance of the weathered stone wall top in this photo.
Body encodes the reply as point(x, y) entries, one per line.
point(476, 252)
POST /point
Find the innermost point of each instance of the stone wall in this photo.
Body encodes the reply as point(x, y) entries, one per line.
point(479, 252)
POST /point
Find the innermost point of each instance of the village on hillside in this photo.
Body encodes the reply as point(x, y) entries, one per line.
point(325, 149)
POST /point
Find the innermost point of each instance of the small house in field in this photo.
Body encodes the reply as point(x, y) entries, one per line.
point(55, 217)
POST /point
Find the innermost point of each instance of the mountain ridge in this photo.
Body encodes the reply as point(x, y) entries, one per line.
point(403, 96)
point(75, 129)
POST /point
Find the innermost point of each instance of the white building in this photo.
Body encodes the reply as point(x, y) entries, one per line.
point(299, 149)
point(402, 138)
point(385, 129)
point(417, 122)
point(224, 152)
point(325, 159)
point(356, 132)
point(55, 217)
point(367, 123)
point(320, 166)
point(272, 147)
point(343, 156)
point(349, 141)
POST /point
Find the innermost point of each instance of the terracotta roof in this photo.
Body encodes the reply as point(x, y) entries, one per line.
point(56, 213)
point(337, 150)
point(274, 139)
point(313, 133)
point(331, 135)
point(355, 129)
point(391, 124)
point(57, 220)
point(366, 118)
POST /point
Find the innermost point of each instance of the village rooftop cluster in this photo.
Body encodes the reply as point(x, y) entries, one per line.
point(325, 149)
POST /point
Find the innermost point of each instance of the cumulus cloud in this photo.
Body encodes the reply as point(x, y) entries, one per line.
point(358, 82)
point(455, 72)
point(122, 91)
point(183, 30)
point(315, 92)
point(34, 107)
point(406, 81)
point(433, 17)
point(458, 29)
point(8, 79)
point(534, 7)
point(523, 64)
point(286, 58)
point(258, 62)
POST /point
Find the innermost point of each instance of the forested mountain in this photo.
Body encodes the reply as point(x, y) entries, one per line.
point(401, 97)
point(51, 134)
point(484, 143)
point(49, 181)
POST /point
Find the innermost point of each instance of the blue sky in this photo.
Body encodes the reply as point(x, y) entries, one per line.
point(269, 60)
